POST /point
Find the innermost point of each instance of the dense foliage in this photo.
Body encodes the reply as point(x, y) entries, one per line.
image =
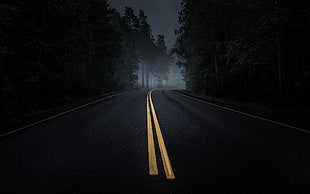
point(248, 50)
point(54, 52)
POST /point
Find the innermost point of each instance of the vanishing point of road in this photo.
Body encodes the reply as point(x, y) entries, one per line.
point(159, 141)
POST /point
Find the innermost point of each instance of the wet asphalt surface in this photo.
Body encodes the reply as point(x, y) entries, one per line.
point(102, 148)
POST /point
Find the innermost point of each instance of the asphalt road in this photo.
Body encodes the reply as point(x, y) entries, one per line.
point(103, 148)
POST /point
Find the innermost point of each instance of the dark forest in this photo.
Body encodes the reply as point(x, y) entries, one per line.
point(247, 50)
point(56, 54)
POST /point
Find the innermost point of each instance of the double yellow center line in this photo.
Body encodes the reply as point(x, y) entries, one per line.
point(153, 170)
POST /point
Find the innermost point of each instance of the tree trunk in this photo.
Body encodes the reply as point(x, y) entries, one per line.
point(283, 92)
point(147, 75)
point(216, 70)
point(142, 74)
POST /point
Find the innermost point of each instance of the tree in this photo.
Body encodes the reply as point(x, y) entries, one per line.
point(131, 19)
point(160, 61)
point(128, 62)
point(54, 53)
point(145, 46)
point(237, 49)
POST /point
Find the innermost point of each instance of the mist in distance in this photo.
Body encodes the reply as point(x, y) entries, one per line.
point(162, 16)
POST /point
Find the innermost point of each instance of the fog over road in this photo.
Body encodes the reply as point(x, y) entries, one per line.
point(103, 148)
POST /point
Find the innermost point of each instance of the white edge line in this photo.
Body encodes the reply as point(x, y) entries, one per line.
point(58, 115)
point(249, 115)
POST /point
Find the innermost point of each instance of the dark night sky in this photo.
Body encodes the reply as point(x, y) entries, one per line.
point(162, 15)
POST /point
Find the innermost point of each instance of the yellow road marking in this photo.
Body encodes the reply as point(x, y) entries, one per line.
point(164, 153)
point(151, 148)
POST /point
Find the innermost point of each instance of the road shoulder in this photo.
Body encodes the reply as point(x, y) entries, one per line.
point(276, 115)
point(42, 116)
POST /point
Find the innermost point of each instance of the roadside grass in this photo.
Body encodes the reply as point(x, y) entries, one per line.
point(298, 116)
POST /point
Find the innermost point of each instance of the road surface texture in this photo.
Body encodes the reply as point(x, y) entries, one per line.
point(103, 148)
